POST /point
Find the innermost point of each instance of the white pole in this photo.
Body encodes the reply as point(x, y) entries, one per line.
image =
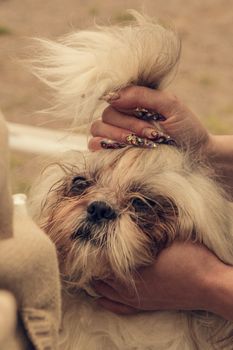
point(38, 140)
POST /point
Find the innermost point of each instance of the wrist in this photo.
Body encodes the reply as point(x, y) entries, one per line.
point(211, 148)
point(218, 292)
point(219, 148)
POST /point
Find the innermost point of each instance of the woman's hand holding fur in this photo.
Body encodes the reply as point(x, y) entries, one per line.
point(119, 123)
point(118, 120)
point(185, 276)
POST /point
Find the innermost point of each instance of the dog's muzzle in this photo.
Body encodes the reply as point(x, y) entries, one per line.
point(94, 227)
point(99, 211)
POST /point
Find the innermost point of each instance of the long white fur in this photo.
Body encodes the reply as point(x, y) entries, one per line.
point(81, 68)
point(85, 65)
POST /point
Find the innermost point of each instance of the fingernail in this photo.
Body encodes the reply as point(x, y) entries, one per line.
point(150, 133)
point(109, 144)
point(158, 117)
point(170, 142)
point(111, 96)
point(145, 114)
point(158, 136)
point(137, 141)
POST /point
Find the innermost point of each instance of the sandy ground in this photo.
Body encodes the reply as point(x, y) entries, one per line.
point(204, 80)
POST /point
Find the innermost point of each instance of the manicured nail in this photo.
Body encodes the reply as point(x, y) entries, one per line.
point(158, 136)
point(164, 139)
point(137, 141)
point(109, 144)
point(145, 114)
point(170, 142)
point(150, 133)
point(111, 96)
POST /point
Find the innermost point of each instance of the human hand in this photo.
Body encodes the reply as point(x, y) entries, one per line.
point(185, 276)
point(118, 119)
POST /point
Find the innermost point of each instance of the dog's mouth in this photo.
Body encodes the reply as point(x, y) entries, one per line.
point(83, 233)
point(95, 234)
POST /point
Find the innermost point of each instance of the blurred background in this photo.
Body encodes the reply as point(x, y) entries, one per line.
point(203, 82)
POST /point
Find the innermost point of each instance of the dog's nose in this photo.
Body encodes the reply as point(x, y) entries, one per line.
point(98, 211)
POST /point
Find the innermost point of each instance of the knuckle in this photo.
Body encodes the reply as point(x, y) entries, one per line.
point(134, 125)
point(106, 115)
point(143, 93)
point(139, 93)
point(132, 93)
point(91, 145)
point(95, 126)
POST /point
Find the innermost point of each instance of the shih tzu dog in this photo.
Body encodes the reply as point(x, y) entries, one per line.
point(111, 212)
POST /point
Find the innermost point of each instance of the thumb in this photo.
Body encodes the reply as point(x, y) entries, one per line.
point(138, 96)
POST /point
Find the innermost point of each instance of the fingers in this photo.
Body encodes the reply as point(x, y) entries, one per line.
point(106, 291)
point(119, 122)
point(124, 294)
point(101, 129)
point(103, 133)
point(113, 117)
point(94, 144)
point(138, 96)
point(115, 307)
point(117, 126)
point(112, 300)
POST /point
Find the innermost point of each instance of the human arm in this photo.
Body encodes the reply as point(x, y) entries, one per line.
point(220, 156)
point(221, 148)
point(185, 276)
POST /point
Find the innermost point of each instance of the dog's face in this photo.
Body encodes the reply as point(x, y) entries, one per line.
point(112, 211)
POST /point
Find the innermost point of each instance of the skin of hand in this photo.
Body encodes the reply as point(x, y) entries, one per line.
point(118, 120)
point(185, 276)
point(181, 124)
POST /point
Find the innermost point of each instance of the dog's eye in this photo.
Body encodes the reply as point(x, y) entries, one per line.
point(79, 184)
point(140, 204)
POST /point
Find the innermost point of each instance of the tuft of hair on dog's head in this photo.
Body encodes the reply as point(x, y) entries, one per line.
point(85, 65)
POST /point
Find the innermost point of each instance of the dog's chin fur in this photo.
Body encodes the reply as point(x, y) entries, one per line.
point(157, 195)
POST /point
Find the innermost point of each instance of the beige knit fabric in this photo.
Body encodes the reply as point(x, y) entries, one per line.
point(7, 318)
point(5, 198)
point(28, 270)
